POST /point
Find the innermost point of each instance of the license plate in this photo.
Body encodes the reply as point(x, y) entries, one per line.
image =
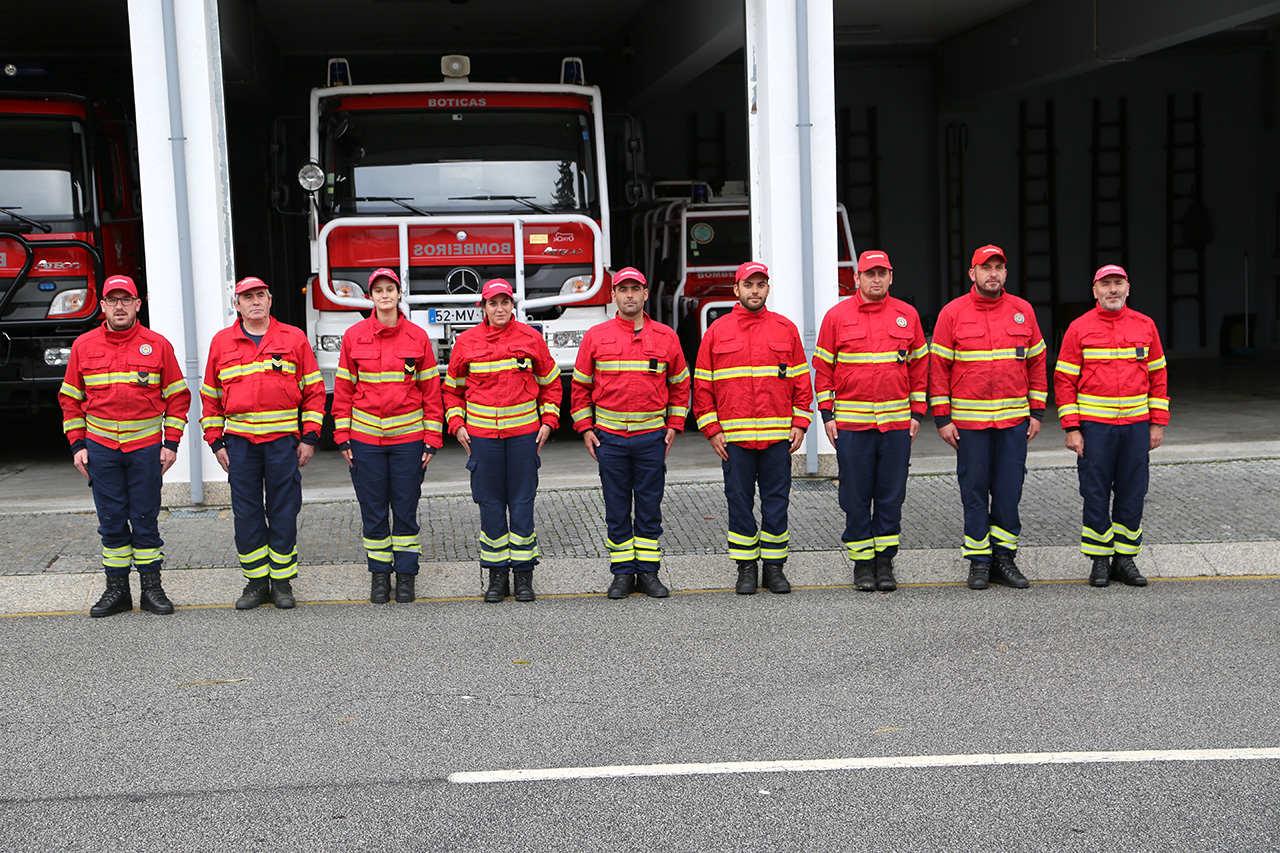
point(469, 316)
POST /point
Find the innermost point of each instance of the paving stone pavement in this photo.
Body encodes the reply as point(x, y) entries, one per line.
point(1201, 502)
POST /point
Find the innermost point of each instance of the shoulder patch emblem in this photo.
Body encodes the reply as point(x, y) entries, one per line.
point(1019, 318)
point(145, 349)
point(902, 321)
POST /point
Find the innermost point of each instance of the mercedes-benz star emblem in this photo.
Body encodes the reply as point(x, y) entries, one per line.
point(462, 280)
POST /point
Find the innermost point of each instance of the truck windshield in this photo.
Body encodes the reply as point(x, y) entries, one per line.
point(42, 167)
point(717, 241)
point(441, 161)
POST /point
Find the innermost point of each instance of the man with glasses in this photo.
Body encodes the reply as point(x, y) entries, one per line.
point(124, 407)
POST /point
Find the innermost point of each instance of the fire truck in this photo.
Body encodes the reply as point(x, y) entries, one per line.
point(693, 242)
point(452, 184)
point(69, 217)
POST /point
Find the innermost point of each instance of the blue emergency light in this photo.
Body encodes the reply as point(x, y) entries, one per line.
point(571, 71)
point(339, 72)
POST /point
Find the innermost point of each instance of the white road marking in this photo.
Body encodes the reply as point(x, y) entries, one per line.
point(886, 762)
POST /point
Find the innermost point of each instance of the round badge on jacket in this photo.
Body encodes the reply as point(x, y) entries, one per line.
point(145, 349)
point(902, 321)
point(1019, 319)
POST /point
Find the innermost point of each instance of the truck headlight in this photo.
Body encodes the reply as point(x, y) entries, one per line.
point(565, 340)
point(311, 177)
point(68, 302)
point(330, 343)
point(576, 284)
point(347, 289)
point(57, 356)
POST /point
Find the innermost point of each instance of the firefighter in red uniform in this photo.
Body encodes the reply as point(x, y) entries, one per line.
point(987, 387)
point(502, 399)
point(260, 375)
point(1112, 388)
point(871, 372)
point(387, 416)
point(752, 398)
point(124, 406)
point(629, 398)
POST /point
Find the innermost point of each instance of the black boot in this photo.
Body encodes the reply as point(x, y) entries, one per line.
point(524, 585)
point(499, 587)
point(256, 591)
point(1004, 570)
point(151, 597)
point(774, 579)
point(979, 574)
point(748, 580)
point(379, 587)
point(885, 581)
point(651, 585)
point(115, 599)
point(864, 575)
point(1126, 571)
point(404, 588)
point(282, 594)
point(622, 586)
point(1100, 575)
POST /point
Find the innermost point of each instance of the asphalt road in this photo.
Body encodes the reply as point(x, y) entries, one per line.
point(335, 727)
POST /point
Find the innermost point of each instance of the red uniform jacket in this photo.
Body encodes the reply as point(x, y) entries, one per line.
point(871, 367)
point(256, 390)
point(124, 390)
point(751, 381)
point(501, 382)
point(387, 389)
point(1112, 370)
point(628, 382)
point(988, 363)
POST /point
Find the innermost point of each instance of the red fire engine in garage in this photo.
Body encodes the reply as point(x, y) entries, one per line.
point(69, 217)
point(693, 245)
point(452, 184)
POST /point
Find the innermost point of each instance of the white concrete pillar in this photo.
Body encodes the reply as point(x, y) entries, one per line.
point(773, 65)
point(198, 78)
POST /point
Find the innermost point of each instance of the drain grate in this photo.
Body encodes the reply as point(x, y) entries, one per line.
point(195, 513)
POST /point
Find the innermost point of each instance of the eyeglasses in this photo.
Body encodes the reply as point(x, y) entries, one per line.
point(113, 301)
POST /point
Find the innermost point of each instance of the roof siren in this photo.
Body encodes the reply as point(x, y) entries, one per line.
point(572, 72)
point(339, 72)
point(455, 66)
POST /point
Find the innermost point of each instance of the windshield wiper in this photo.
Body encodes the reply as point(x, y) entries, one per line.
point(9, 211)
point(398, 201)
point(523, 199)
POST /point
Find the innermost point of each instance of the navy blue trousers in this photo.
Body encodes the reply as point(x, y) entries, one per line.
point(1115, 462)
point(991, 465)
point(770, 468)
point(633, 472)
point(126, 493)
point(388, 481)
point(504, 481)
point(266, 530)
point(873, 469)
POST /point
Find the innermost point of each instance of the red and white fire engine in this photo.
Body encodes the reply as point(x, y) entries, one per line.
point(694, 243)
point(69, 217)
point(452, 184)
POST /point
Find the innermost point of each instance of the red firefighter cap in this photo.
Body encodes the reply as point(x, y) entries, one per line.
point(873, 258)
point(749, 269)
point(120, 282)
point(250, 283)
point(383, 272)
point(1110, 269)
point(496, 287)
point(986, 253)
point(629, 274)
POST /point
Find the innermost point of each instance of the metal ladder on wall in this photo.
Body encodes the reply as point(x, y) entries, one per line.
point(1184, 188)
point(1109, 193)
point(1038, 217)
point(859, 178)
point(957, 241)
point(708, 154)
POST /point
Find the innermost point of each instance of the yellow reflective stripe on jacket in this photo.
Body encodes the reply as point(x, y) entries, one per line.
point(869, 412)
point(95, 380)
point(502, 417)
point(749, 371)
point(630, 420)
point(584, 378)
point(1112, 353)
point(1067, 368)
point(71, 391)
point(123, 431)
point(173, 388)
point(1158, 364)
point(394, 425)
point(756, 429)
point(989, 410)
point(1112, 407)
point(236, 371)
point(1002, 354)
point(551, 376)
point(263, 423)
point(389, 376)
point(210, 391)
